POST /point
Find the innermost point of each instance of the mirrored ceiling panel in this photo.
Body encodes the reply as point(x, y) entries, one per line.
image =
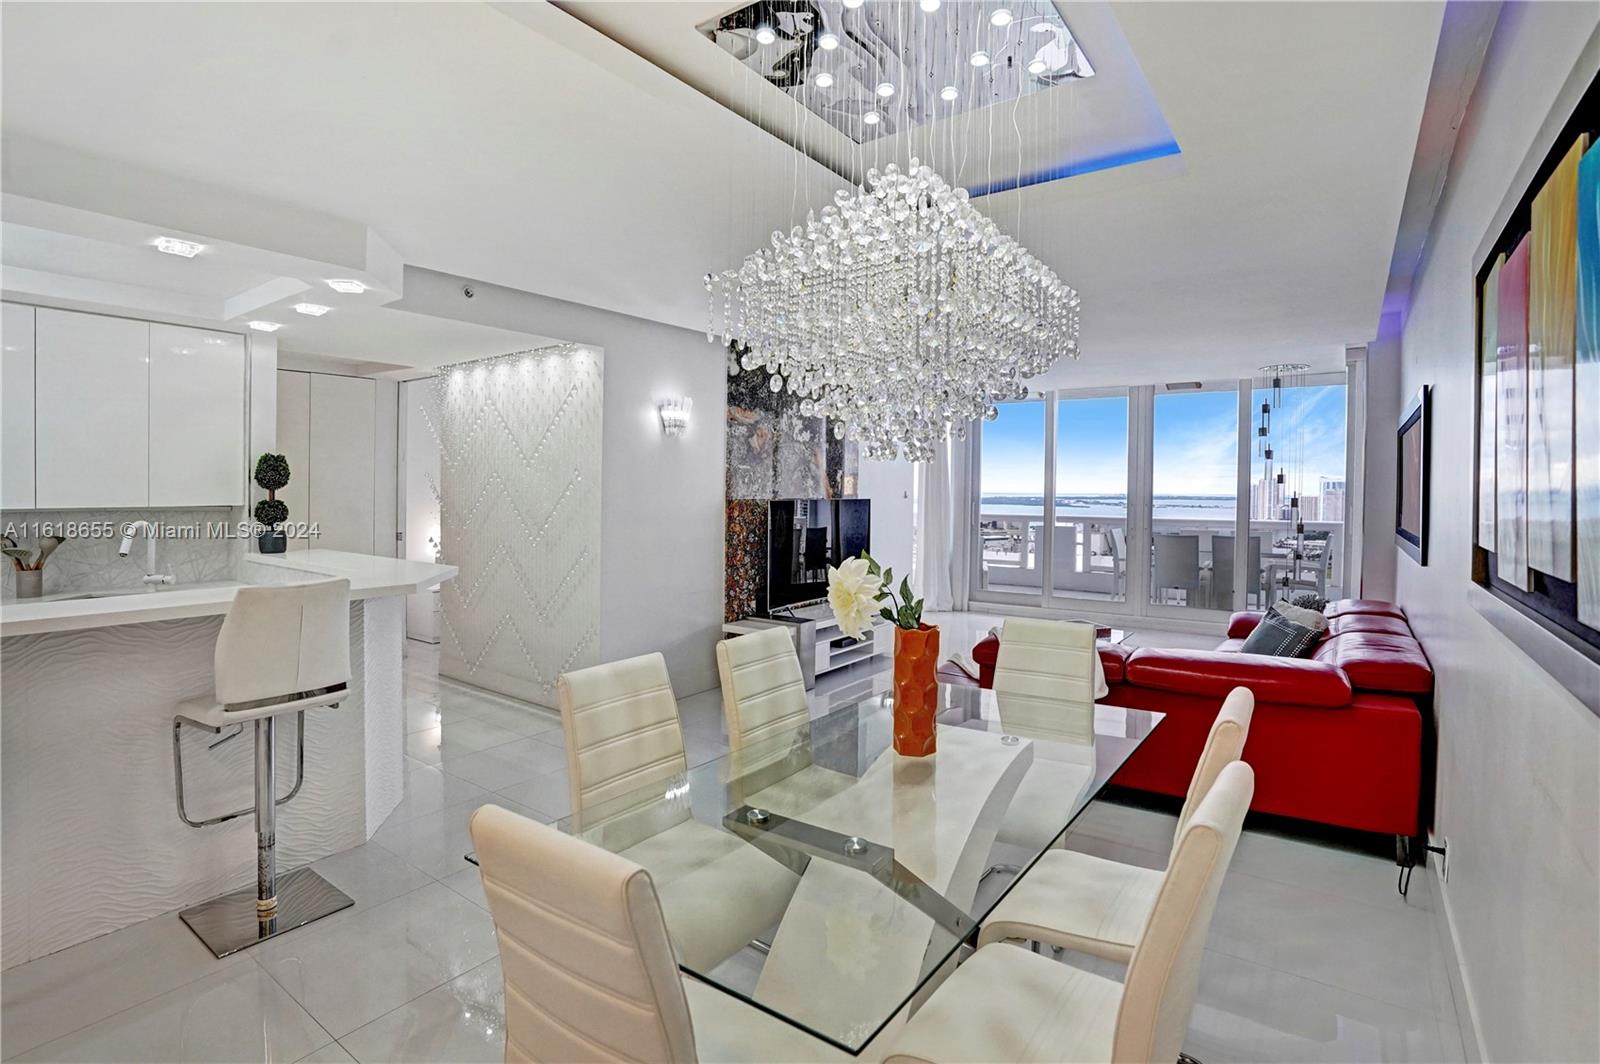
point(874, 69)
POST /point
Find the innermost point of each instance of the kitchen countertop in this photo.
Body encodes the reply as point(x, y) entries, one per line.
point(370, 576)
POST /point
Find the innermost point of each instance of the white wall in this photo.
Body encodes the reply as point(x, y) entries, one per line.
point(661, 499)
point(888, 485)
point(1384, 403)
point(1519, 757)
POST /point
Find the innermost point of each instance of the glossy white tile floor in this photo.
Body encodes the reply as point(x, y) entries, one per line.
point(1312, 956)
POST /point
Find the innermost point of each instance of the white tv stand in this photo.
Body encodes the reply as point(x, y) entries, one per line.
point(829, 647)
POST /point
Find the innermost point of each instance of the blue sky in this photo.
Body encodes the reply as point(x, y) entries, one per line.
point(1195, 442)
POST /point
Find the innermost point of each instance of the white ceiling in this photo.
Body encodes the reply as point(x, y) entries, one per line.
point(533, 152)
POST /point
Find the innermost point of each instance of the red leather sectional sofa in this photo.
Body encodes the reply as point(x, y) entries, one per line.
point(1341, 738)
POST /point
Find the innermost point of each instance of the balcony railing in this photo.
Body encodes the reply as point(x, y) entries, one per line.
point(1091, 557)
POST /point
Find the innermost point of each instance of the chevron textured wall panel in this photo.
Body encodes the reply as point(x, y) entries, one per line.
point(519, 447)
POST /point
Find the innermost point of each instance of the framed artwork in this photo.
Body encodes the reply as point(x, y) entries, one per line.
point(1413, 460)
point(1537, 455)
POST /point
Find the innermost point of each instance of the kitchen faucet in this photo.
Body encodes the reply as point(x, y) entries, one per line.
point(128, 532)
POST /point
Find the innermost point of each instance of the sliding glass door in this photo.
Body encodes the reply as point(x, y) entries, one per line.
point(1011, 503)
point(1160, 501)
point(1089, 553)
point(1194, 498)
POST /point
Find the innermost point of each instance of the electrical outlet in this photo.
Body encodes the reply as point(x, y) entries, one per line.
point(1444, 859)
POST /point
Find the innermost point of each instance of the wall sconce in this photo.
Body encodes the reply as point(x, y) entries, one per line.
point(675, 415)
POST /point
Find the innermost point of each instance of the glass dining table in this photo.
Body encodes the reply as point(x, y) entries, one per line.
point(826, 881)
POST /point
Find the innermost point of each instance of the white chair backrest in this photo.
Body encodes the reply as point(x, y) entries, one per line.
point(1224, 744)
point(623, 735)
point(589, 970)
point(1164, 973)
point(763, 690)
point(1044, 664)
point(280, 641)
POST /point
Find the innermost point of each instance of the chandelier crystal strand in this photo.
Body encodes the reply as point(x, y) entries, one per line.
point(900, 312)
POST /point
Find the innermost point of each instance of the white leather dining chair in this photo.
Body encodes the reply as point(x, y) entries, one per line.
point(1047, 676)
point(1074, 900)
point(1010, 1004)
point(626, 771)
point(588, 964)
point(763, 690)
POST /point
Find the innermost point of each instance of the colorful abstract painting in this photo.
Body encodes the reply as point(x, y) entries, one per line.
point(1587, 385)
point(1552, 309)
point(1511, 402)
point(1489, 304)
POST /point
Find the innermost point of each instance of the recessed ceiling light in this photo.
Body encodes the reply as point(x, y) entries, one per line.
point(348, 287)
point(173, 246)
point(822, 79)
point(930, 6)
point(948, 93)
point(1038, 66)
point(827, 42)
point(852, 4)
point(765, 35)
point(1000, 17)
point(265, 326)
point(316, 310)
point(870, 118)
point(979, 59)
point(886, 89)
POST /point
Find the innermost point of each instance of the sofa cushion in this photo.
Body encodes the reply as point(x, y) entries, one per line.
point(1243, 623)
point(1369, 622)
point(1379, 661)
point(1298, 681)
point(1378, 606)
point(1114, 660)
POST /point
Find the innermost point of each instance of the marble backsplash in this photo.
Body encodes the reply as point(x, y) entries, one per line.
point(194, 545)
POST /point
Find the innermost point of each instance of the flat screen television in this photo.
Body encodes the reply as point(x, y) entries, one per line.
point(804, 537)
point(1411, 478)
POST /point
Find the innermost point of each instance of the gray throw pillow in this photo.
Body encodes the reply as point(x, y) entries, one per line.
point(1280, 637)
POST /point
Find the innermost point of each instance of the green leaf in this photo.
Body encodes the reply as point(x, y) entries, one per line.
point(905, 591)
point(919, 612)
point(888, 577)
point(872, 563)
point(905, 618)
point(887, 614)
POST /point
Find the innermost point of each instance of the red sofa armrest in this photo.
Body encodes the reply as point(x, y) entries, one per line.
point(1293, 681)
point(1243, 623)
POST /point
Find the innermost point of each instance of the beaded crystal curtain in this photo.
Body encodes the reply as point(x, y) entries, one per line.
point(519, 462)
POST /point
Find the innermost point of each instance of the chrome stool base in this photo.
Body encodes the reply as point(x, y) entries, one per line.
point(229, 924)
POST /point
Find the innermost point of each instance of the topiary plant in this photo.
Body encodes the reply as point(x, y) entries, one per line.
point(272, 472)
point(272, 512)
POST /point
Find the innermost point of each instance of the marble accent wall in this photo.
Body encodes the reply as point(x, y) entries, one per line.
point(774, 452)
point(519, 444)
point(191, 547)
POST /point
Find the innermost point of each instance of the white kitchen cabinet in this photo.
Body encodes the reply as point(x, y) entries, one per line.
point(92, 410)
point(343, 425)
point(16, 408)
point(196, 417)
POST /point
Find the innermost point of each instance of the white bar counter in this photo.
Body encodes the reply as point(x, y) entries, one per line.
point(88, 690)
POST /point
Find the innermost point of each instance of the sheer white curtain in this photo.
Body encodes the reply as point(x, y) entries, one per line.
point(939, 575)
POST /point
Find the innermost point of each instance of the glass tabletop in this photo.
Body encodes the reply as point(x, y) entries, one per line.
point(823, 879)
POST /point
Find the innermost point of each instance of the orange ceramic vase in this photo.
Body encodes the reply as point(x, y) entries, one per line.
point(916, 689)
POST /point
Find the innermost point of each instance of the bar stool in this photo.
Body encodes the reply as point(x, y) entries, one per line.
point(280, 650)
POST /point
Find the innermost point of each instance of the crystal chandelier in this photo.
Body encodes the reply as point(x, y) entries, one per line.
point(901, 313)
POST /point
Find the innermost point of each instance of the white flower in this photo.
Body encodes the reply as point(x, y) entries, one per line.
point(853, 594)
